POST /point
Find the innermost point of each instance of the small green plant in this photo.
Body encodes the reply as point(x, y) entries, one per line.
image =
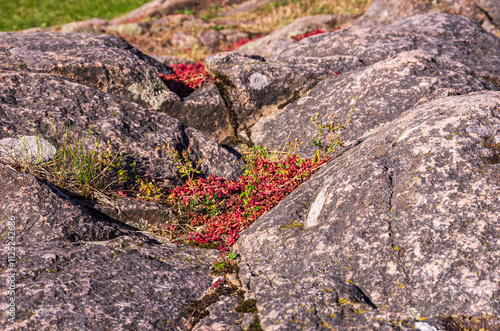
point(327, 138)
point(232, 256)
point(185, 166)
point(148, 190)
point(219, 264)
point(81, 164)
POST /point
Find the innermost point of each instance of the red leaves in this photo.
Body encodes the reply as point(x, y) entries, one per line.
point(243, 41)
point(186, 78)
point(225, 208)
point(307, 34)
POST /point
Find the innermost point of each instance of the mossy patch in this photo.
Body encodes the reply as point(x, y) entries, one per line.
point(198, 309)
point(463, 323)
point(255, 326)
point(247, 306)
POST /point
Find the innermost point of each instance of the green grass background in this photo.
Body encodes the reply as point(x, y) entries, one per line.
point(24, 14)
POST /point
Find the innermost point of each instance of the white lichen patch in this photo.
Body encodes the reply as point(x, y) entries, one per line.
point(26, 53)
point(407, 133)
point(315, 210)
point(258, 81)
point(434, 269)
point(26, 149)
point(392, 268)
point(422, 326)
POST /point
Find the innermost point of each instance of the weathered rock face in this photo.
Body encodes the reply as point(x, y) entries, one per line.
point(94, 25)
point(127, 282)
point(437, 34)
point(384, 72)
point(273, 44)
point(101, 61)
point(205, 109)
point(409, 215)
point(253, 88)
point(51, 101)
point(75, 270)
point(492, 9)
point(42, 214)
point(383, 12)
point(369, 97)
point(26, 150)
point(142, 215)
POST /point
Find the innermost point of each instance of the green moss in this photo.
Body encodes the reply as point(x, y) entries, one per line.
point(463, 322)
point(247, 306)
point(255, 326)
point(198, 309)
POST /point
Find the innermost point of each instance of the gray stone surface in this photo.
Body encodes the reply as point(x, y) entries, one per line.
point(94, 25)
point(383, 12)
point(26, 150)
point(371, 97)
point(206, 110)
point(144, 135)
point(73, 270)
point(126, 283)
point(406, 221)
point(274, 43)
point(492, 9)
point(222, 316)
point(384, 72)
point(42, 213)
point(142, 215)
point(253, 88)
point(445, 35)
point(104, 62)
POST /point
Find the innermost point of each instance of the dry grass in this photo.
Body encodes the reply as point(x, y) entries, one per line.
point(275, 15)
point(263, 20)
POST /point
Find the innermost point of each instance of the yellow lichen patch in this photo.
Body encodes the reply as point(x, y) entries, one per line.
point(327, 326)
point(293, 225)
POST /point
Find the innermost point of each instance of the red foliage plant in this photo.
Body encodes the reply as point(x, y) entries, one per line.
point(186, 78)
point(220, 209)
point(307, 34)
point(243, 41)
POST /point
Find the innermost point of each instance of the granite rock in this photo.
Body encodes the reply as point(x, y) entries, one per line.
point(104, 62)
point(52, 104)
point(399, 228)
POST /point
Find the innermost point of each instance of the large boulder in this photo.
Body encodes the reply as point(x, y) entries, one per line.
point(124, 283)
point(52, 104)
point(367, 98)
point(254, 88)
point(384, 12)
point(456, 37)
point(384, 72)
point(206, 110)
point(274, 43)
point(43, 213)
point(398, 231)
point(72, 270)
point(104, 62)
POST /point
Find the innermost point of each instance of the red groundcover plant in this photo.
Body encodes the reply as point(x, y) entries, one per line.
point(307, 34)
point(220, 209)
point(243, 41)
point(186, 78)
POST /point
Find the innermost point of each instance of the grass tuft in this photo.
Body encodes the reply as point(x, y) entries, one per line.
point(81, 164)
